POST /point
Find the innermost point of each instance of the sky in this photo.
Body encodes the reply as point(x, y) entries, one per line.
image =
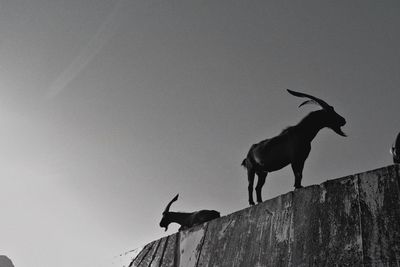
point(110, 108)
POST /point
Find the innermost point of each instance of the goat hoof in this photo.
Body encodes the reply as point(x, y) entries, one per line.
point(252, 203)
point(298, 186)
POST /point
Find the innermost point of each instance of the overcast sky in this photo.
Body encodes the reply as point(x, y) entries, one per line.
point(109, 108)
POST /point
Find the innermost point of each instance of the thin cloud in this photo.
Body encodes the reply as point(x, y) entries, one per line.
point(87, 53)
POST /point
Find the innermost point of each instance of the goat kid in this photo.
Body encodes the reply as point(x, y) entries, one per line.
point(186, 219)
point(292, 146)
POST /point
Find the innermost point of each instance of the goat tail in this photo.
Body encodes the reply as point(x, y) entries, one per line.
point(217, 214)
point(244, 163)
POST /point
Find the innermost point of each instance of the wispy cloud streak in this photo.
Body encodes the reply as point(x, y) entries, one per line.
point(87, 53)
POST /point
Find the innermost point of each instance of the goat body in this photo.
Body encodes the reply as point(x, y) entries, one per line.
point(186, 219)
point(292, 146)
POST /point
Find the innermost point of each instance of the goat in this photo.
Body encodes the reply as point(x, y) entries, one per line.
point(395, 150)
point(186, 219)
point(291, 146)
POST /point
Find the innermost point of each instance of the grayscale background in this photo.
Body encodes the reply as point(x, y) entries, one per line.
point(110, 108)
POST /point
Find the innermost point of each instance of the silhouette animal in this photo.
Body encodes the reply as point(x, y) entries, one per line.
point(395, 150)
point(186, 219)
point(292, 146)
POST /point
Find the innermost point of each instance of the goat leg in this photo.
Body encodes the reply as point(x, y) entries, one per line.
point(298, 174)
point(260, 183)
point(250, 176)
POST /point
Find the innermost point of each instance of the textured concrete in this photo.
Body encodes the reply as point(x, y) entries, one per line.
point(124, 259)
point(380, 220)
point(351, 221)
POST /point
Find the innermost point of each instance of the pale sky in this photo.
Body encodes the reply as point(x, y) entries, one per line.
point(110, 108)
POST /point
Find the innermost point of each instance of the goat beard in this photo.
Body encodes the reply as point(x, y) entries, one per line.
point(339, 131)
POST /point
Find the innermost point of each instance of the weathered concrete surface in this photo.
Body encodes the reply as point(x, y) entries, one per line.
point(327, 225)
point(257, 236)
point(351, 221)
point(380, 220)
point(143, 254)
point(158, 255)
point(191, 242)
point(124, 259)
point(170, 251)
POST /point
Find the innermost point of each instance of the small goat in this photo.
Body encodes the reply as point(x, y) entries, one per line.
point(186, 219)
point(291, 146)
point(395, 150)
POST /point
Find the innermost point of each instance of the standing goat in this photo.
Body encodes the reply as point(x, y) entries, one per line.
point(291, 146)
point(186, 219)
point(395, 150)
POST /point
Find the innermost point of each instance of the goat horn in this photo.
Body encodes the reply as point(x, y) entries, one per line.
point(308, 102)
point(170, 203)
point(314, 99)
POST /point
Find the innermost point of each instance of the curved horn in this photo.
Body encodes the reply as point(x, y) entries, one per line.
point(314, 99)
point(308, 102)
point(170, 203)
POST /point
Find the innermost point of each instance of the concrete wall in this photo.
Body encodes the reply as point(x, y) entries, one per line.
point(351, 221)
